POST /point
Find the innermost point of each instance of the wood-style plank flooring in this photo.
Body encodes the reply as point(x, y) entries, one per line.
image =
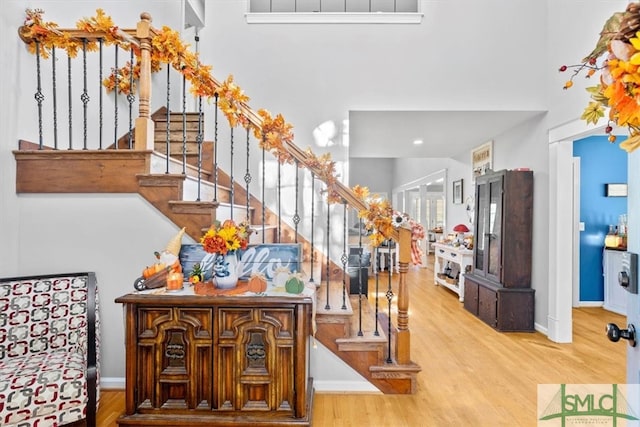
point(472, 375)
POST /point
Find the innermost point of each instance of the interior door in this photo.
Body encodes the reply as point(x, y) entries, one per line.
point(633, 245)
point(630, 331)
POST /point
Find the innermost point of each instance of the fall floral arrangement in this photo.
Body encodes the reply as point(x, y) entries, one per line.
point(617, 58)
point(225, 238)
point(380, 219)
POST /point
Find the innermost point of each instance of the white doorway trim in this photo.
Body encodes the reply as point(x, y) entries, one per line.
point(562, 227)
point(575, 207)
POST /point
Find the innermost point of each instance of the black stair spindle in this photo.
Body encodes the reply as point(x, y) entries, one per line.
point(167, 138)
point(231, 180)
point(376, 332)
point(263, 188)
point(279, 200)
point(215, 148)
point(130, 99)
point(39, 97)
point(327, 305)
point(360, 253)
point(70, 97)
point(85, 93)
point(199, 141)
point(296, 215)
point(389, 299)
point(184, 125)
point(313, 206)
point(200, 137)
point(115, 101)
point(247, 175)
point(344, 258)
point(54, 63)
point(100, 94)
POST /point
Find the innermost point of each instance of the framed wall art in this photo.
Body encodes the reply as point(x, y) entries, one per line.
point(457, 192)
point(482, 159)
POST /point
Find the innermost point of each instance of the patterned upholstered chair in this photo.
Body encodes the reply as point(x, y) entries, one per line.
point(49, 339)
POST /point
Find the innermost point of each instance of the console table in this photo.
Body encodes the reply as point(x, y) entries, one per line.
point(194, 360)
point(461, 256)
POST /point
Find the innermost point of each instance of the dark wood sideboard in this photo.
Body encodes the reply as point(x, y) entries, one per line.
point(196, 360)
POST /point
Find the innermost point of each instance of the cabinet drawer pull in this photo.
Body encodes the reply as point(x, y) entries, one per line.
point(441, 251)
point(453, 255)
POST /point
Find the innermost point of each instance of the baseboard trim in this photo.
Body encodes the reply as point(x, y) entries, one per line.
point(543, 330)
point(344, 387)
point(590, 303)
point(112, 383)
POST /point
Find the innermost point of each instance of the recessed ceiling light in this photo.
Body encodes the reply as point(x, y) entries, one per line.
point(417, 141)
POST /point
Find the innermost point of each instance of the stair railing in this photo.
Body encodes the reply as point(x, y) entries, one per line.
point(140, 40)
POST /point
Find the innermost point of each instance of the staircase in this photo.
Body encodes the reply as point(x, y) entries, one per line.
point(189, 189)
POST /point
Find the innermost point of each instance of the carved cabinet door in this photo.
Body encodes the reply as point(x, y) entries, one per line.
point(255, 359)
point(175, 348)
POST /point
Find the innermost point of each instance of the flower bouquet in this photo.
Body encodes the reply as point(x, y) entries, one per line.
point(223, 241)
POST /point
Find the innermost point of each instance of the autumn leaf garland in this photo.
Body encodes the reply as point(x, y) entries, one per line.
point(274, 133)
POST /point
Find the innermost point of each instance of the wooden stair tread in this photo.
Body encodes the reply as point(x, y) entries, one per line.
point(350, 314)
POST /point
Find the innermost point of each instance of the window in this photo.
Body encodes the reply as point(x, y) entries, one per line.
point(333, 11)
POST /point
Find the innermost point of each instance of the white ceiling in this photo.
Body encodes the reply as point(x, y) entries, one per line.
point(390, 134)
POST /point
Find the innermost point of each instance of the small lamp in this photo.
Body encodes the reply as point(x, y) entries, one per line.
point(460, 229)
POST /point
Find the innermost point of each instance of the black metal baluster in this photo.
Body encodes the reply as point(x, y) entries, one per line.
point(100, 94)
point(55, 98)
point(70, 97)
point(376, 254)
point(184, 125)
point(130, 99)
point(389, 299)
point(327, 305)
point(247, 176)
point(376, 332)
point(115, 101)
point(296, 216)
point(85, 94)
point(199, 140)
point(200, 137)
point(360, 252)
point(168, 129)
point(233, 199)
point(313, 207)
point(344, 258)
point(215, 148)
point(263, 190)
point(279, 201)
point(39, 97)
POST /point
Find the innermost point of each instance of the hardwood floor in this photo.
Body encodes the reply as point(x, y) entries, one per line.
point(472, 375)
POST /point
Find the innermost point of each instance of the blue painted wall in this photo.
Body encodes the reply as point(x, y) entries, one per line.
point(600, 163)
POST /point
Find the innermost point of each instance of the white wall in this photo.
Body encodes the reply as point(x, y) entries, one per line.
point(375, 174)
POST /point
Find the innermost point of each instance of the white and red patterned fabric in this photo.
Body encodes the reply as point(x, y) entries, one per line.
point(43, 351)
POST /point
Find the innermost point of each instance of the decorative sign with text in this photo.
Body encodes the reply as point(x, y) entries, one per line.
point(263, 259)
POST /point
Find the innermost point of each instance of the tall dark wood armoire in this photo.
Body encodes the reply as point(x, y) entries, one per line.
point(498, 290)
